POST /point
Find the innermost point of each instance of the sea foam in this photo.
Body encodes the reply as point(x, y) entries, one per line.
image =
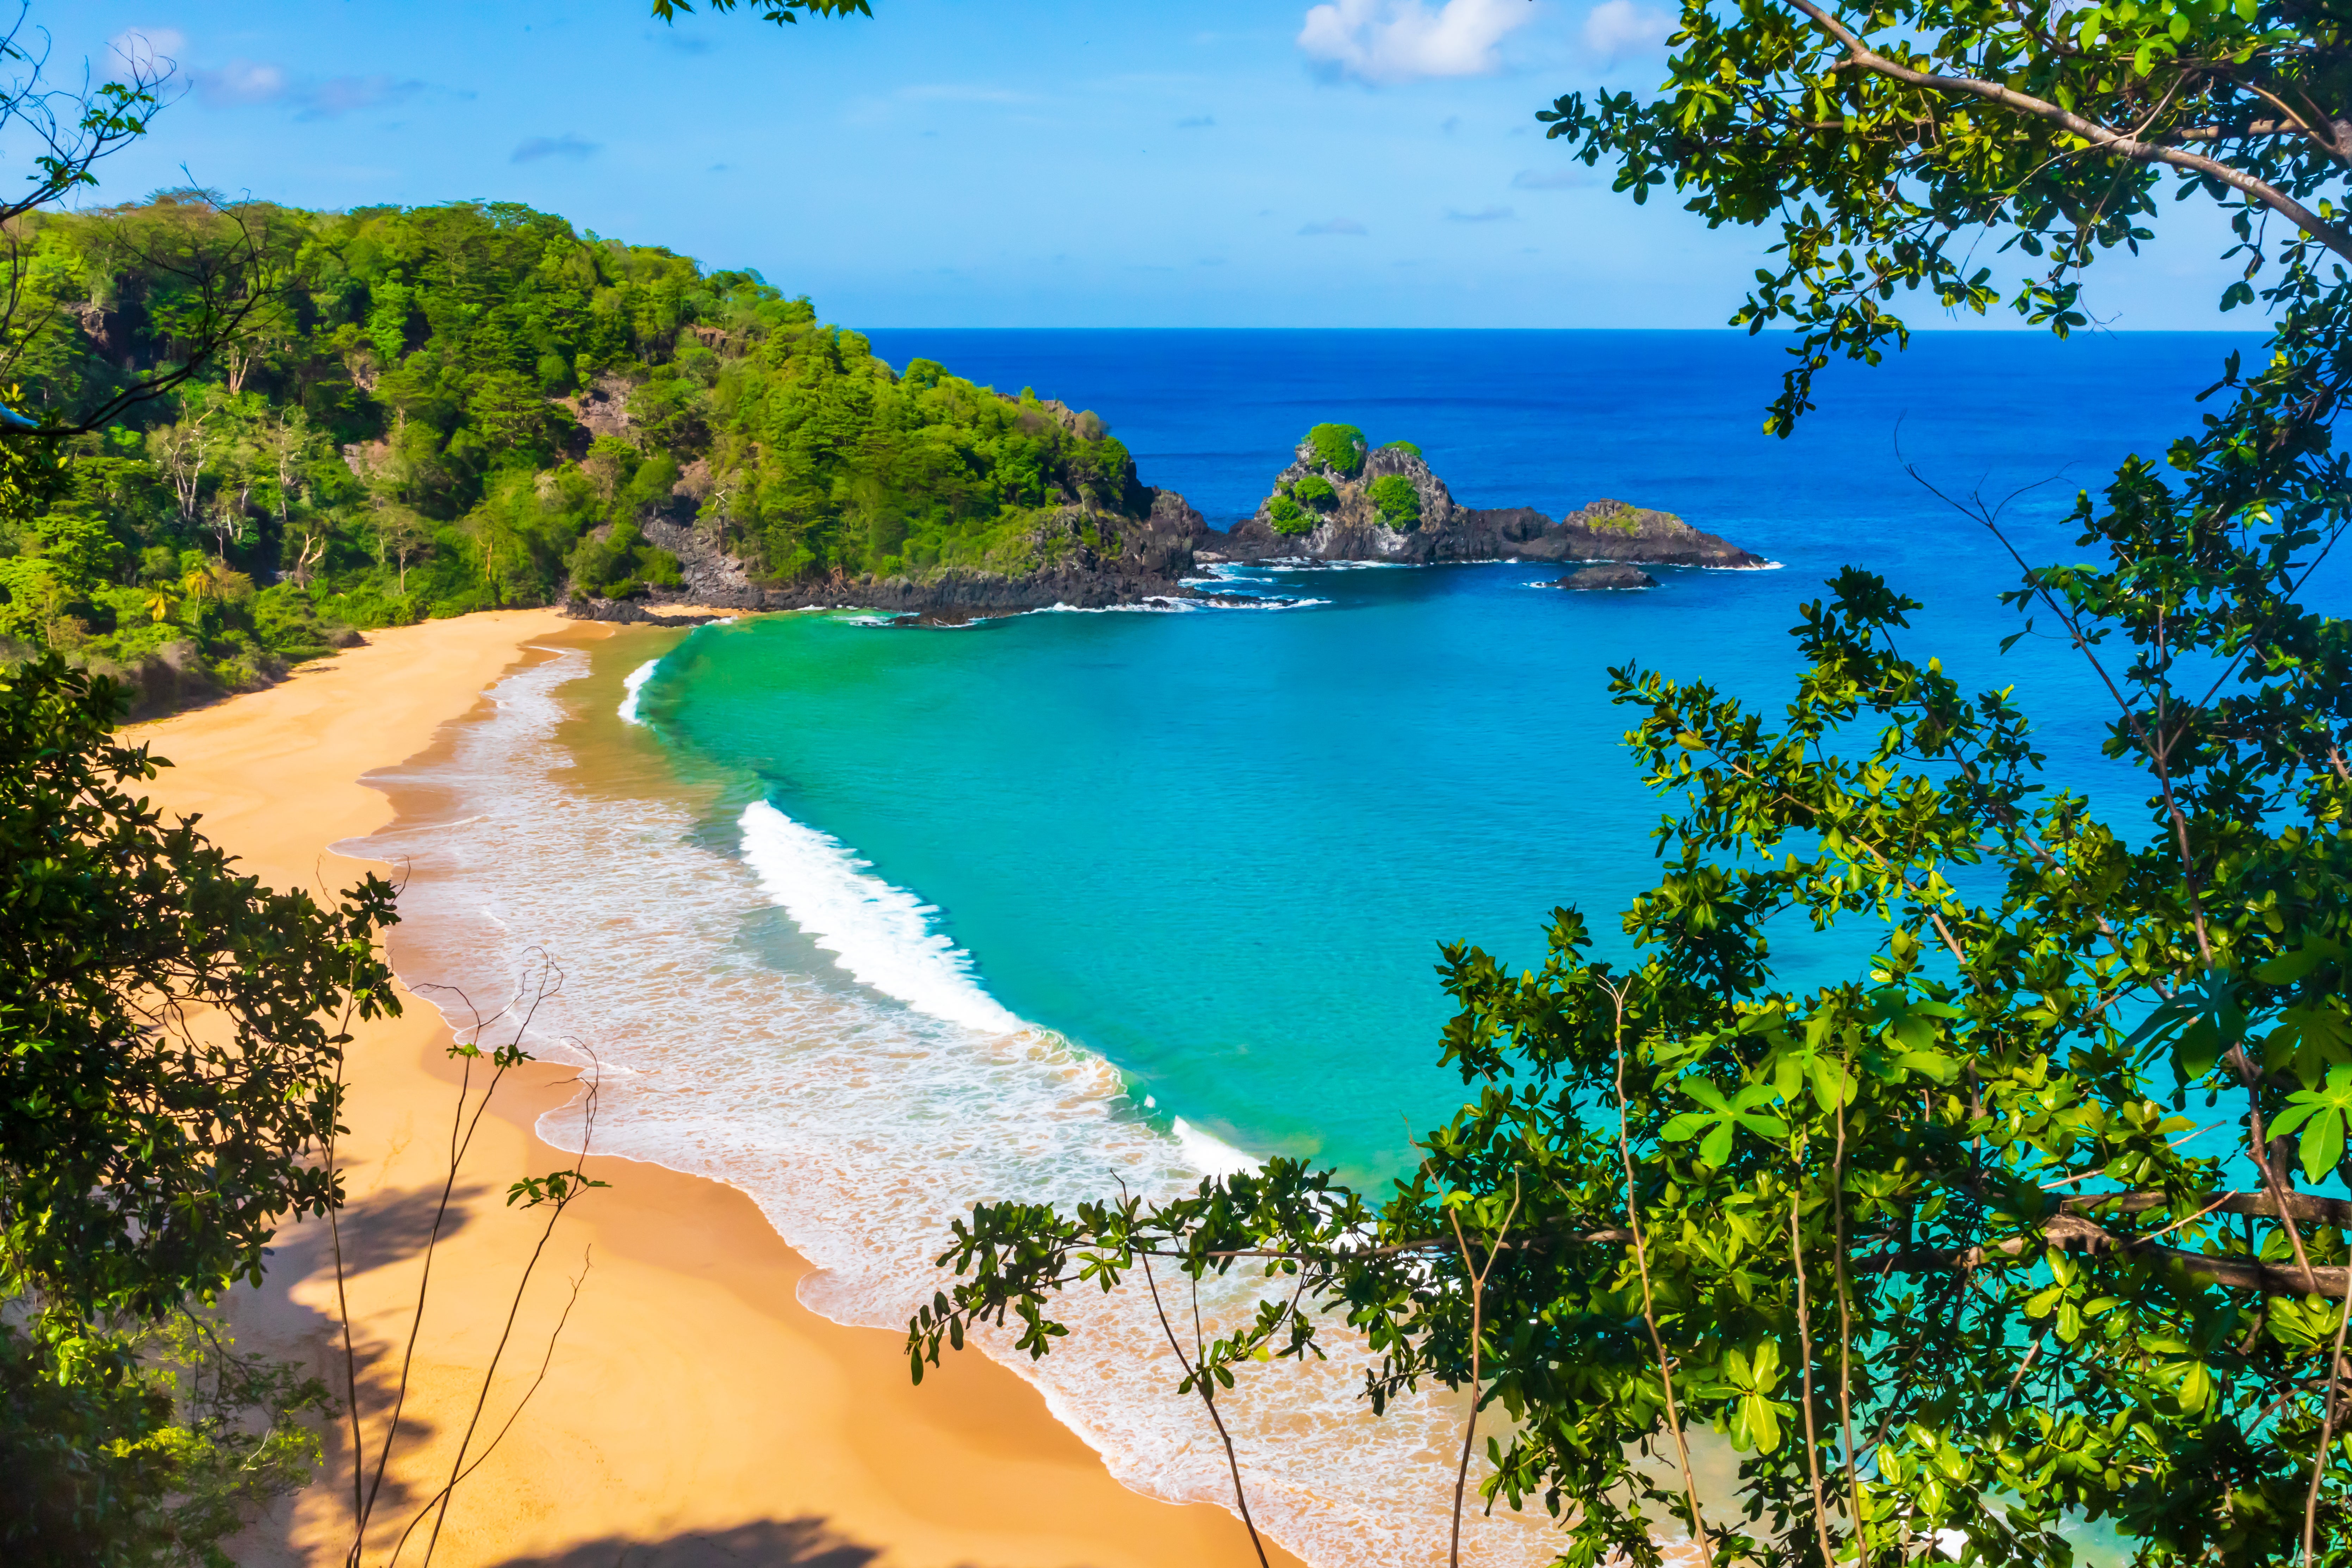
point(879, 933)
point(784, 1019)
point(634, 686)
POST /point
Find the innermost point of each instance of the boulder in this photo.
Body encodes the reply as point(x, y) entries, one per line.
point(1608, 574)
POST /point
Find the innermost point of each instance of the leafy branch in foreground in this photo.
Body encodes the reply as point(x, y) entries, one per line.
point(1891, 143)
point(169, 1067)
point(2047, 1304)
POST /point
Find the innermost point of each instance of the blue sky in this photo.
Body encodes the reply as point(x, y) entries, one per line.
point(1030, 162)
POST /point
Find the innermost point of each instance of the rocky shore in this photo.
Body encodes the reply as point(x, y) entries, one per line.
point(1088, 558)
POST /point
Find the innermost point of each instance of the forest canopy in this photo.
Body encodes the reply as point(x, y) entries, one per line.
point(432, 410)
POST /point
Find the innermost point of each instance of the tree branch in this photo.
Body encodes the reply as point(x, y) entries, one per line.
point(2106, 139)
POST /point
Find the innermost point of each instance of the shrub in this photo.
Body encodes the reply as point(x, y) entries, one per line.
point(1401, 446)
point(1339, 447)
point(1289, 517)
point(660, 567)
point(1315, 491)
point(368, 607)
point(1614, 516)
point(1398, 502)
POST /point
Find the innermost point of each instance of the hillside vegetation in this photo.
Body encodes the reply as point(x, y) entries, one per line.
point(434, 410)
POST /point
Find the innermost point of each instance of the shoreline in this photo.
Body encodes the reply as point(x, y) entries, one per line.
point(691, 1408)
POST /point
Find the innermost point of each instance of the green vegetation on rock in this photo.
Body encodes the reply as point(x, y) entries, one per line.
point(1339, 447)
point(1315, 492)
point(1400, 447)
point(1398, 502)
point(1287, 516)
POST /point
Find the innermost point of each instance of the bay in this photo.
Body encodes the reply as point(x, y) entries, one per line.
point(1220, 848)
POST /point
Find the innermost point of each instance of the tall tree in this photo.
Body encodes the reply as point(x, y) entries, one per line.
point(1933, 1247)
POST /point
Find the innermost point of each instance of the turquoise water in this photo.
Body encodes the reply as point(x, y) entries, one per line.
point(1220, 848)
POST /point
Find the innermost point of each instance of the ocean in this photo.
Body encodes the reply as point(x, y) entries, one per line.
point(874, 921)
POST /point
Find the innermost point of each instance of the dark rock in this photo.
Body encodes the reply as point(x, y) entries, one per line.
point(628, 612)
point(1611, 574)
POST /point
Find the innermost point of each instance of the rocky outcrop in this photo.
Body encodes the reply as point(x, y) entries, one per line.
point(1350, 526)
point(1611, 530)
point(1608, 574)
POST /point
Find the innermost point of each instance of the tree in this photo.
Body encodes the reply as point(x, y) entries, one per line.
point(400, 534)
point(201, 249)
point(170, 1032)
point(1931, 1247)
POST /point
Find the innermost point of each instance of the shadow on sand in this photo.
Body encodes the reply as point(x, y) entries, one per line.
point(771, 1543)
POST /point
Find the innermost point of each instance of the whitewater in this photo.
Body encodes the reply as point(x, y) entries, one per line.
point(765, 1011)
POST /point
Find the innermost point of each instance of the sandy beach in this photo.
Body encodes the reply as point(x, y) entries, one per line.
point(691, 1410)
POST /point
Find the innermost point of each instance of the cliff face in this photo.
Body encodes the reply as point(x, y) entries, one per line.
point(1075, 555)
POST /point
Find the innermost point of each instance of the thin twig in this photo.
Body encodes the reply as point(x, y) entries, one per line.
point(1649, 1305)
point(1805, 1365)
point(572, 1190)
point(2326, 1424)
point(1845, 1322)
point(1199, 1380)
point(545, 1361)
point(1477, 1331)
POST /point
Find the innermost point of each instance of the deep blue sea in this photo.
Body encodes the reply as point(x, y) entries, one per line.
point(876, 920)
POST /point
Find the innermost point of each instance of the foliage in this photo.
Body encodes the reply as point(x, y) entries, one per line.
point(1398, 502)
point(1989, 1236)
point(1400, 447)
point(779, 11)
point(439, 409)
point(166, 1073)
point(1315, 492)
point(1289, 517)
point(1614, 516)
point(1339, 447)
point(1886, 142)
point(145, 1446)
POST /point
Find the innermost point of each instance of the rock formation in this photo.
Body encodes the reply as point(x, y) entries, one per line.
point(1351, 527)
point(1608, 575)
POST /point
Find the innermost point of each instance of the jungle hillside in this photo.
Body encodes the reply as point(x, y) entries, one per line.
point(427, 411)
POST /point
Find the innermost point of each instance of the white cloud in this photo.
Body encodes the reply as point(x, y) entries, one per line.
point(1380, 41)
point(1616, 28)
point(1334, 225)
point(1484, 215)
point(241, 81)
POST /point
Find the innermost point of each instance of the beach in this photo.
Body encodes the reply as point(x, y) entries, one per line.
point(688, 1410)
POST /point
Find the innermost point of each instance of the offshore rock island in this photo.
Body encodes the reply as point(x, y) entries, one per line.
point(1341, 500)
